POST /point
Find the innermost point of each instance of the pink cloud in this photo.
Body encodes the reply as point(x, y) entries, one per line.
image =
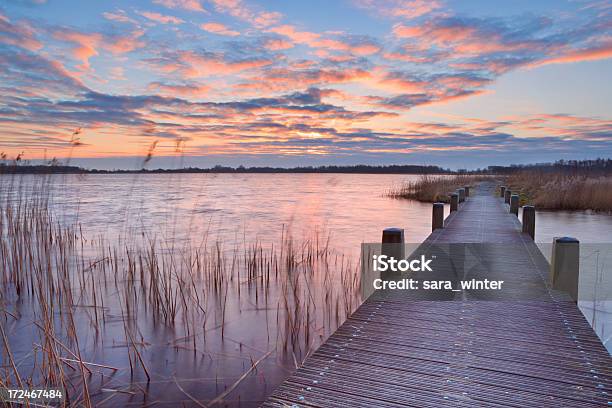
point(557, 55)
point(330, 44)
point(186, 90)
point(458, 82)
point(161, 18)
point(118, 16)
point(445, 98)
point(277, 44)
point(315, 40)
point(238, 9)
point(435, 33)
point(266, 19)
point(415, 8)
point(300, 37)
point(452, 34)
point(302, 64)
point(408, 9)
point(87, 45)
point(407, 58)
point(220, 29)
point(117, 74)
point(20, 34)
point(281, 79)
point(335, 58)
point(497, 67)
point(461, 39)
point(124, 44)
point(191, 64)
point(402, 31)
point(321, 53)
point(590, 54)
point(562, 125)
point(364, 49)
point(190, 5)
point(397, 84)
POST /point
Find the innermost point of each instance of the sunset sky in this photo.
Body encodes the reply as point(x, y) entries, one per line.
point(287, 83)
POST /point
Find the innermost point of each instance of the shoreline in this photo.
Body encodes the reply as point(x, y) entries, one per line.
point(547, 192)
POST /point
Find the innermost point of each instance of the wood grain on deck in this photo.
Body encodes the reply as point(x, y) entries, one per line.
point(394, 352)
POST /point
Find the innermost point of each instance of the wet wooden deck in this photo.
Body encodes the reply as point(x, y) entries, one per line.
point(463, 353)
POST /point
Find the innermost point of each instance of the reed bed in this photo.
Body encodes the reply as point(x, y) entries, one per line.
point(562, 190)
point(78, 287)
point(433, 188)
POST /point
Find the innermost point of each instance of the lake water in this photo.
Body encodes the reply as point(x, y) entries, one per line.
point(351, 208)
point(228, 211)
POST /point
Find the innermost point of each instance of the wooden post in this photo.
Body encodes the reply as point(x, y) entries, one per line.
point(529, 220)
point(454, 201)
point(467, 191)
point(437, 216)
point(565, 265)
point(393, 236)
point(461, 192)
point(507, 195)
point(514, 204)
point(392, 246)
point(502, 191)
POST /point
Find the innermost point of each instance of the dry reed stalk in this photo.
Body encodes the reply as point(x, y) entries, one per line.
point(229, 390)
point(433, 188)
point(562, 190)
point(163, 283)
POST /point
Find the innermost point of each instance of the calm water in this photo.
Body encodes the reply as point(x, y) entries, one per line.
point(237, 210)
point(349, 208)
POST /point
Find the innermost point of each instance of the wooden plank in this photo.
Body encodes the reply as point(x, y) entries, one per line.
point(394, 351)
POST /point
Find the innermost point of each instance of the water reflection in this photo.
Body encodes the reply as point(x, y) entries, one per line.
point(334, 211)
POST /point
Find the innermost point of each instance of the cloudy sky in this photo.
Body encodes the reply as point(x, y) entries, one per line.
point(284, 83)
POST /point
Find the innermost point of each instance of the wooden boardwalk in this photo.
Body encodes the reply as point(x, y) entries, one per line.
point(394, 352)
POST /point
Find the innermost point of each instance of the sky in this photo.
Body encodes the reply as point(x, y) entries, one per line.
point(461, 84)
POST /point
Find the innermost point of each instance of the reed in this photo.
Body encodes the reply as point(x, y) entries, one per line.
point(561, 190)
point(433, 188)
point(77, 284)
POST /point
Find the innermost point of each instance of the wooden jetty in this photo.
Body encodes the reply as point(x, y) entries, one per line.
point(394, 352)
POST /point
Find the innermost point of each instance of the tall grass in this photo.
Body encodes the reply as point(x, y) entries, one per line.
point(562, 190)
point(76, 285)
point(433, 188)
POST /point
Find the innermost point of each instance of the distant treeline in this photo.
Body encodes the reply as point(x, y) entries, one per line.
point(40, 169)
point(391, 169)
point(597, 166)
